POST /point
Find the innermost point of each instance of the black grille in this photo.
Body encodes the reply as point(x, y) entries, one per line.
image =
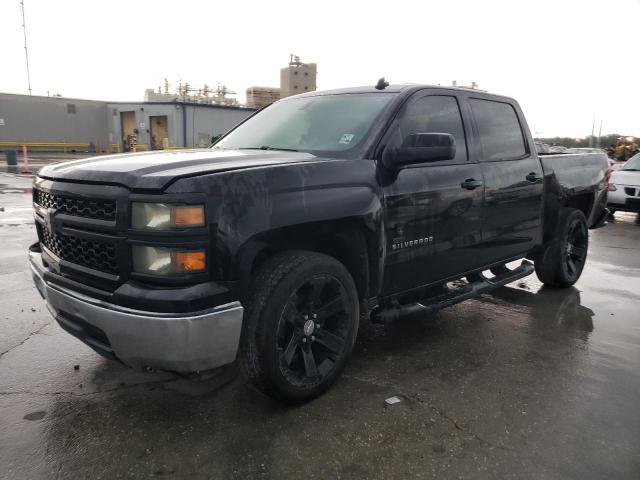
point(79, 207)
point(99, 256)
point(630, 191)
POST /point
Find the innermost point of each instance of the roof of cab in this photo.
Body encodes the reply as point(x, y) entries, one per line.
point(404, 88)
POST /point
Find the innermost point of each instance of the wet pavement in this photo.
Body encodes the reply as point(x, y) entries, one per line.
point(524, 383)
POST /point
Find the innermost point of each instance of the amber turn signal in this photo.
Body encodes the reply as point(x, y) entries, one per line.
point(165, 216)
point(189, 261)
point(187, 216)
point(167, 261)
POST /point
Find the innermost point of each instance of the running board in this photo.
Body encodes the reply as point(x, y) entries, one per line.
point(457, 295)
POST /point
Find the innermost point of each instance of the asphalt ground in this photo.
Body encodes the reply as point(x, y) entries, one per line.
point(524, 383)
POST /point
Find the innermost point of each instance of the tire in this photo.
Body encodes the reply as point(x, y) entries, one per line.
point(562, 259)
point(300, 325)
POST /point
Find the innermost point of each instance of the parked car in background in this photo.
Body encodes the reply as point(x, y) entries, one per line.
point(616, 165)
point(624, 187)
point(585, 150)
point(541, 148)
point(557, 149)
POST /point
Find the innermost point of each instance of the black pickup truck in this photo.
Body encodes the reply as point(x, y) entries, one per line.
point(321, 210)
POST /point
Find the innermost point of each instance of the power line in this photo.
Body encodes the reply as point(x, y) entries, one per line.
point(26, 52)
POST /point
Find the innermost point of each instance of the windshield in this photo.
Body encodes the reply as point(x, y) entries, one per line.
point(633, 163)
point(329, 125)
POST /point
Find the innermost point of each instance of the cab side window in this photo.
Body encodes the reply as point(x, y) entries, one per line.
point(499, 130)
point(431, 114)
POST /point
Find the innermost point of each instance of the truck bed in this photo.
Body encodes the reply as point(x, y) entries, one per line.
point(576, 176)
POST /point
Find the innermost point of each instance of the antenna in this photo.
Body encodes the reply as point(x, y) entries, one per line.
point(26, 52)
point(382, 84)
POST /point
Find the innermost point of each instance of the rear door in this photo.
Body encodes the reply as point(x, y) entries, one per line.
point(512, 213)
point(432, 222)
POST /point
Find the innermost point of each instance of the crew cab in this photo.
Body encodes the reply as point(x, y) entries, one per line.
point(267, 249)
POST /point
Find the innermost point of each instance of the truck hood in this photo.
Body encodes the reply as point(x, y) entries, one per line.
point(155, 170)
point(625, 177)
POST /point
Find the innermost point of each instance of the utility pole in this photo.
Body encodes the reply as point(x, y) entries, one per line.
point(599, 134)
point(26, 52)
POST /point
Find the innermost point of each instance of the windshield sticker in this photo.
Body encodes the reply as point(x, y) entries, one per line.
point(346, 138)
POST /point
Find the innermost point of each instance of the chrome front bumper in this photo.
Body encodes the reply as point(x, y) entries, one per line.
point(183, 343)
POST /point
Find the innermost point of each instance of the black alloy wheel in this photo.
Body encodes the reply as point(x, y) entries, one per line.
point(313, 330)
point(299, 326)
point(561, 260)
point(576, 248)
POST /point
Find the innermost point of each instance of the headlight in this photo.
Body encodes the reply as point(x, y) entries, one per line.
point(612, 187)
point(167, 261)
point(162, 216)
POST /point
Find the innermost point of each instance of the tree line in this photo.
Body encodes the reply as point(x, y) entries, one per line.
point(588, 141)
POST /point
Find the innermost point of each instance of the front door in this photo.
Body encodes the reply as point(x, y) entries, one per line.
point(128, 127)
point(512, 213)
point(433, 223)
point(159, 132)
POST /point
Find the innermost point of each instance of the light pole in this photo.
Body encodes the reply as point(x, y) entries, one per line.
point(26, 52)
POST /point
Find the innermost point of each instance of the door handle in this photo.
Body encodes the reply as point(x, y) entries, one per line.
point(471, 184)
point(533, 177)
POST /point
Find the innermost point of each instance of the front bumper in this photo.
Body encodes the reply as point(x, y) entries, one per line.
point(182, 343)
point(619, 200)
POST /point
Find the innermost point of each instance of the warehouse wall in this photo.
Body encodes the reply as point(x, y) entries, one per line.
point(51, 119)
point(206, 122)
point(201, 121)
point(143, 111)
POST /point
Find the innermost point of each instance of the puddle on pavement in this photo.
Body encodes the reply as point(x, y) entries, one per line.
point(17, 169)
point(7, 189)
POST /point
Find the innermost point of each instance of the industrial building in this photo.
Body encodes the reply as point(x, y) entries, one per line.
point(189, 117)
point(55, 123)
point(295, 78)
point(259, 97)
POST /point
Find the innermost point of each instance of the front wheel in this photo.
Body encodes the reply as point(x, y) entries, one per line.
point(562, 259)
point(300, 325)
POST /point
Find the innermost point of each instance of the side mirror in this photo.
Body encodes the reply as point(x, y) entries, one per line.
point(420, 148)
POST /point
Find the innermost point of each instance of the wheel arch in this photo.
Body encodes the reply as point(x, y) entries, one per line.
point(349, 241)
point(583, 202)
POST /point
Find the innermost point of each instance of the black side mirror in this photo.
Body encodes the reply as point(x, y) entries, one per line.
point(420, 148)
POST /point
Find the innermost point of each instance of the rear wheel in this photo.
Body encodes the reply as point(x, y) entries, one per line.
point(300, 324)
point(561, 262)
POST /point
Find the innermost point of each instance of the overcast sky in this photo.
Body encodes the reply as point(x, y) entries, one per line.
point(565, 61)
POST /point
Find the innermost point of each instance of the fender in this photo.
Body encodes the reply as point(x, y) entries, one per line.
point(287, 206)
point(574, 180)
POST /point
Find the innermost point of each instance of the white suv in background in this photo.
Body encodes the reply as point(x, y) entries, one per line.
point(624, 187)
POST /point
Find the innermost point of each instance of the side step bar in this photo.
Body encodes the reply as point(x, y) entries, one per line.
point(438, 302)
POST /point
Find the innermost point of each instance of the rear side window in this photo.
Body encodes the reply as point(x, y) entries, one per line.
point(499, 130)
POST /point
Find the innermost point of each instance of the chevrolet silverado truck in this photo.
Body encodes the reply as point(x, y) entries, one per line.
point(267, 249)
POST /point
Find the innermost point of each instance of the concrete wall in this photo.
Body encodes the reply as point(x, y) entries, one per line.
point(48, 119)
